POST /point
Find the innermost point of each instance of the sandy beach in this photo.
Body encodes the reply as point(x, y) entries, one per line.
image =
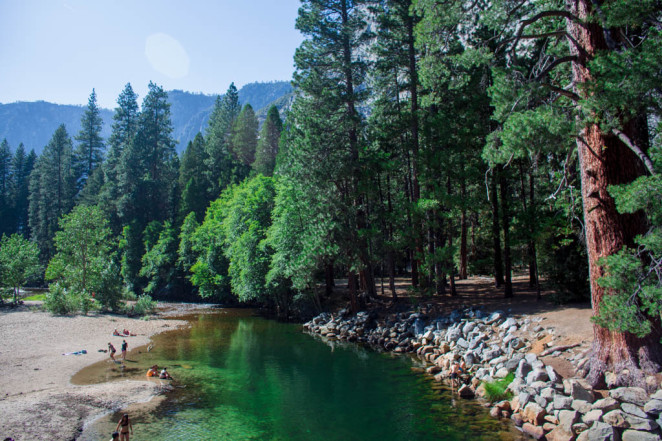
point(37, 399)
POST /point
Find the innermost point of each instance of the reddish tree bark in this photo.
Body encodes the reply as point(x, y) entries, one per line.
point(604, 160)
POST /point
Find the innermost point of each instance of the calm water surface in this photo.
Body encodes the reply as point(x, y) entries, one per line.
point(243, 377)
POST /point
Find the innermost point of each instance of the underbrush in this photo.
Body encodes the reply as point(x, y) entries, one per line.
point(498, 390)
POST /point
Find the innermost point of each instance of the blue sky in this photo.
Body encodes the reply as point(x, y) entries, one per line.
point(58, 50)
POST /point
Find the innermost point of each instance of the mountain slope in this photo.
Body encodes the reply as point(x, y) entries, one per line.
point(33, 123)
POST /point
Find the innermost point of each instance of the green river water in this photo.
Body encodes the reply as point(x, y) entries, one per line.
point(242, 377)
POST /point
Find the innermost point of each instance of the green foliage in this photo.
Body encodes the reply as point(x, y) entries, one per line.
point(243, 141)
point(61, 300)
point(19, 261)
point(89, 153)
point(267, 146)
point(144, 305)
point(83, 263)
point(497, 390)
point(158, 262)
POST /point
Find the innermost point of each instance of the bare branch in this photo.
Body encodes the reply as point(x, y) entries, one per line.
point(545, 14)
point(573, 96)
point(637, 151)
point(558, 61)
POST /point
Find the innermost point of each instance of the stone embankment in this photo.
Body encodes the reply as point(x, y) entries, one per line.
point(544, 405)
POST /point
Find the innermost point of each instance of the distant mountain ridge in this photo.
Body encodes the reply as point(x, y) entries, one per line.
point(33, 123)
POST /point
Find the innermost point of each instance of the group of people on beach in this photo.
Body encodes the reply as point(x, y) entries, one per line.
point(112, 350)
point(122, 430)
point(154, 372)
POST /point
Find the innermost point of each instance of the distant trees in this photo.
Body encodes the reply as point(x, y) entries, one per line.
point(267, 145)
point(19, 262)
point(89, 153)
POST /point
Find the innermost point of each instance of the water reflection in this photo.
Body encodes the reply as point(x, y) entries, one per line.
point(243, 377)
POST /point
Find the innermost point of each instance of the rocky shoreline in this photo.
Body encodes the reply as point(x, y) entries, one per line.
point(544, 405)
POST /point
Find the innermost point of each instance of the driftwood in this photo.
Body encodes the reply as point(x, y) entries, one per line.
point(558, 348)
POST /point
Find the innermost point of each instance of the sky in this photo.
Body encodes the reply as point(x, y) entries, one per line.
point(59, 50)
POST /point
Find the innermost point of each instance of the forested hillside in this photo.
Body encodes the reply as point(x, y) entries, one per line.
point(33, 123)
point(427, 139)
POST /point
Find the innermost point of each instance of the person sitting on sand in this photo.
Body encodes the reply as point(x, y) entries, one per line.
point(165, 375)
point(153, 371)
point(123, 426)
point(116, 333)
point(115, 436)
point(111, 350)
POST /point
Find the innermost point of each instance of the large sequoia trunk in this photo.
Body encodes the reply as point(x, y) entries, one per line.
point(604, 161)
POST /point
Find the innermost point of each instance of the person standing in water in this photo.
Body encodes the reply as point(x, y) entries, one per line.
point(111, 350)
point(123, 427)
point(125, 345)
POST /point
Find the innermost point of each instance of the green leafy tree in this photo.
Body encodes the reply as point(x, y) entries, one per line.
point(159, 261)
point(89, 153)
point(84, 262)
point(267, 145)
point(243, 141)
point(19, 261)
point(52, 190)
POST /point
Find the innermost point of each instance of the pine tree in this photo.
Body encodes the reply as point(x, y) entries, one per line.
point(192, 180)
point(222, 168)
point(125, 126)
point(267, 145)
point(52, 190)
point(243, 142)
point(89, 153)
point(22, 166)
point(6, 205)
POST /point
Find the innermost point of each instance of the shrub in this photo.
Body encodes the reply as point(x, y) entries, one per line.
point(58, 300)
point(498, 390)
point(144, 305)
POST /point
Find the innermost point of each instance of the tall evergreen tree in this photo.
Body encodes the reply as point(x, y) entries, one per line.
point(243, 142)
point(6, 209)
point(125, 126)
point(52, 190)
point(89, 153)
point(222, 168)
point(267, 145)
point(192, 180)
point(22, 165)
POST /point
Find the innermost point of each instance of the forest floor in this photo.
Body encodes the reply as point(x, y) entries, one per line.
point(565, 325)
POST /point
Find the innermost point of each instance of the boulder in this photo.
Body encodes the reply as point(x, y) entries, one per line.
point(638, 423)
point(461, 342)
point(536, 432)
point(513, 363)
point(508, 323)
point(468, 327)
point(470, 358)
point(480, 391)
point(534, 414)
point(599, 432)
point(635, 435)
point(548, 393)
point(606, 404)
point(562, 402)
point(465, 391)
point(501, 373)
point(593, 416)
point(581, 406)
point(536, 375)
point(657, 395)
point(616, 418)
point(517, 419)
point(567, 418)
point(523, 369)
point(554, 376)
point(633, 410)
point(653, 407)
point(578, 390)
point(634, 395)
point(560, 434)
point(494, 317)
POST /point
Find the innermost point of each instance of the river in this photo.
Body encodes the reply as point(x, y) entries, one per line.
point(239, 376)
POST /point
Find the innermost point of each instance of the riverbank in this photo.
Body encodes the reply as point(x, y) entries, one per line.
point(37, 399)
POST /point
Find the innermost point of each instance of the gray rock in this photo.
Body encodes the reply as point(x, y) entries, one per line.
point(524, 399)
point(462, 343)
point(501, 373)
point(508, 323)
point(531, 358)
point(453, 335)
point(468, 327)
point(548, 393)
point(562, 402)
point(567, 418)
point(494, 317)
point(523, 369)
point(581, 406)
point(654, 407)
point(554, 377)
point(537, 386)
point(633, 410)
point(513, 362)
point(491, 354)
point(599, 432)
point(638, 423)
point(536, 375)
point(540, 401)
point(616, 418)
point(469, 358)
point(635, 435)
point(577, 390)
point(657, 395)
point(634, 395)
point(593, 416)
point(606, 404)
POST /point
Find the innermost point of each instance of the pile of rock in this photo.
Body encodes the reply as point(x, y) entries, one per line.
point(544, 405)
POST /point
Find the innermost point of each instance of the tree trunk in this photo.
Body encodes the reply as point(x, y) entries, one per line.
point(505, 220)
point(604, 160)
point(496, 231)
point(463, 230)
